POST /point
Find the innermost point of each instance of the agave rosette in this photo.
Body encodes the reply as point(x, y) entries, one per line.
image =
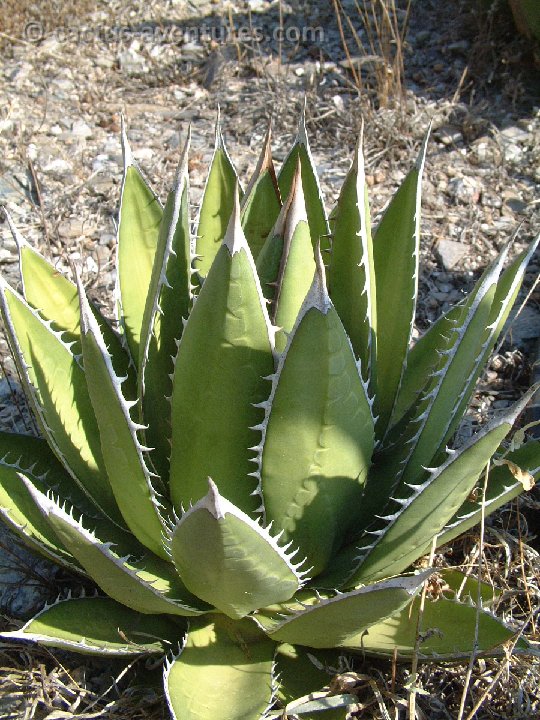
point(250, 464)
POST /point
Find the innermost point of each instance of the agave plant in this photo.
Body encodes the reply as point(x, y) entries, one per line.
point(251, 463)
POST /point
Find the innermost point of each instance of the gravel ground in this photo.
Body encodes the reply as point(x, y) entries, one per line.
point(65, 80)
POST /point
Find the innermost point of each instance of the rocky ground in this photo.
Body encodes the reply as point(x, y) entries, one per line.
point(65, 80)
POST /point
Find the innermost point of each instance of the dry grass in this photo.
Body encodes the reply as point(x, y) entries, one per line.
point(375, 56)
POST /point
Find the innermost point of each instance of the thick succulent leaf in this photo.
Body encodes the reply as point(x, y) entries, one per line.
point(33, 457)
point(262, 201)
point(503, 486)
point(316, 213)
point(395, 257)
point(129, 477)
point(437, 413)
point(100, 626)
point(142, 582)
point(351, 276)
point(318, 433)
point(224, 670)
point(506, 293)
point(167, 305)
point(310, 706)
point(56, 388)
point(422, 360)
point(138, 228)
point(225, 351)
point(401, 537)
point(45, 288)
point(286, 263)
point(229, 560)
point(302, 672)
point(448, 632)
point(55, 298)
point(339, 621)
point(453, 584)
point(216, 206)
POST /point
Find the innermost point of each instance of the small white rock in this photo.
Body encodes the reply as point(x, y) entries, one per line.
point(81, 129)
point(144, 153)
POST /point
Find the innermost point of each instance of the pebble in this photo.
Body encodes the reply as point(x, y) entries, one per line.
point(512, 153)
point(422, 36)
point(142, 154)
point(81, 129)
point(525, 327)
point(448, 135)
point(515, 204)
point(100, 162)
point(513, 133)
point(90, 264)
point(6, 126)
point(7, 256)
point(103, 254)
point(101, 184)
point(450, 253)
point(58, 167)
point(464, 190)
point(459, 47)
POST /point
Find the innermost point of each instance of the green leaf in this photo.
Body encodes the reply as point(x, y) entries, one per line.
point(340, 621)
point(32, 456)
point(120, 567)
point(167, 305)
point(351, 275)
point(422, 360)
point(395, 257)
point(262, 201)
point(55, 298)
point(318, 434)
point(502, 488)
point(463, 588)
point(100, 626)
point(45, 288)
point(223, 671)
point(447, 632)
point(506, 293)
point(138, 228)
point(127, 472)
point(56, 388)
point(403, 535)
point(316, 213)
point(427, 355)
point(315, 703)
point(229, 560)
point(437, 412)
point(286, 263)
point(216, 206)
point(304, 671)
point(222, 358)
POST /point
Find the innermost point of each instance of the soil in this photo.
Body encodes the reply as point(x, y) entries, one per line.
point(66, 80)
